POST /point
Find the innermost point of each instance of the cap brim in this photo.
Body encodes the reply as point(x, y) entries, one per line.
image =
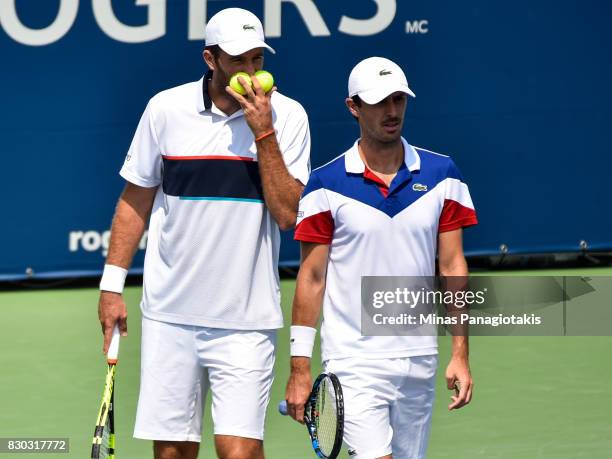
point(237, 47)
point(373, 96)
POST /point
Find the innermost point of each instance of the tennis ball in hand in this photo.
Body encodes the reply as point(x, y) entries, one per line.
point(266, 80)
point(235, 84)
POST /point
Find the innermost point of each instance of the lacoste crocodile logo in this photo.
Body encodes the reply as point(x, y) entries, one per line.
point(385, 72)
point(419, 187)
point(248, 27)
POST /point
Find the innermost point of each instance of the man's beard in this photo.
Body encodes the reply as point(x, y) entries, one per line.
point(220, 76)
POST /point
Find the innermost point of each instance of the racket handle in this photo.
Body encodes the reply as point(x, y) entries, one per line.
point(282, 408)
point(113, 349)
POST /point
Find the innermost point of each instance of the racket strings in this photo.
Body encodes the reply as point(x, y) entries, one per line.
point(106, 440)
point(326, 418)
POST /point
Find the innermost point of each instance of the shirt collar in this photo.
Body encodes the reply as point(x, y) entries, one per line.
point(204, 100)
point(355, 165)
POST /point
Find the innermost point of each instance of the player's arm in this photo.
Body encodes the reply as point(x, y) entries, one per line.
point(281, 190)
point(129, 223)
point(451, 262)
point(309, 290)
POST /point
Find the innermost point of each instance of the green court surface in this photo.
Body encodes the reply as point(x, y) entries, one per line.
point(535, 397)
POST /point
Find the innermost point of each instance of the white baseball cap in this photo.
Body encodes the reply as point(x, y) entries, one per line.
point(375, 78)
point(236, 31)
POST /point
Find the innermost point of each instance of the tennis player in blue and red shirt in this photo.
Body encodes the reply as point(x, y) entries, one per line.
point(383, 208)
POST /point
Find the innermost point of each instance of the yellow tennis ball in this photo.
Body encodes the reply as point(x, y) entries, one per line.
point(266, 80)
point(235, 84)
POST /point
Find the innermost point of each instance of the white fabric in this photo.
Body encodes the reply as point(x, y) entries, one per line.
point(375, 78)
point(211, 263)
point(458, 191)
point(302, 341)
point(236, 31)
point(113, 278)
point(387, 405)
point(179, 363)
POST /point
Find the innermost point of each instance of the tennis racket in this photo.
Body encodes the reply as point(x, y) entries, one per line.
point(103, 444)
point(324, 415)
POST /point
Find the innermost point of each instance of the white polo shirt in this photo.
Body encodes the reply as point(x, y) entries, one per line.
point(373, 230)
point(212, 251)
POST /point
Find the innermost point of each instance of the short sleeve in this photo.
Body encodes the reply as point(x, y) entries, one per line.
point(458, 209)
point(142, 164)
point(314, 222)
point(295, 145)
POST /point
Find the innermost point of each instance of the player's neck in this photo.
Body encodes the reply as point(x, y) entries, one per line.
point(222, 100)
point(385, 158)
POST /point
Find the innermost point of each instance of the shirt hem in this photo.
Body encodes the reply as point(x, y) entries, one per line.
point(212, 323)
point(463, 223)
point(388, 354)
point(309, 237)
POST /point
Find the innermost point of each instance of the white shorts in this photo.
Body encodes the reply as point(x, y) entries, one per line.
point(178, 365)
point(387, 405)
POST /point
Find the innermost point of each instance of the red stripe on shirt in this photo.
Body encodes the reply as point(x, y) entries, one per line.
point(317, 228)
point(455, 216)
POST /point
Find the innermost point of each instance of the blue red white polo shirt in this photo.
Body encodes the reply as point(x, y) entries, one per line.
point(212, 250)
point(373, 230)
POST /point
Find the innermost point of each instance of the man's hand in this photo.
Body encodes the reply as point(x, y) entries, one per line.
point(298, 387)
point(256, 106)
point(459, 379)
point(111, 310)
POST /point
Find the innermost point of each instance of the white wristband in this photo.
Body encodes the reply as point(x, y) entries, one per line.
point(113, 279)
point(302, 341)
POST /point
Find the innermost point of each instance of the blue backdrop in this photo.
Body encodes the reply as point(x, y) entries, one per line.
point(519, 93)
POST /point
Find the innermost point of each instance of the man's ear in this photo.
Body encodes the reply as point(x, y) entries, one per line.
point(352, 106)
point(209, 59)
